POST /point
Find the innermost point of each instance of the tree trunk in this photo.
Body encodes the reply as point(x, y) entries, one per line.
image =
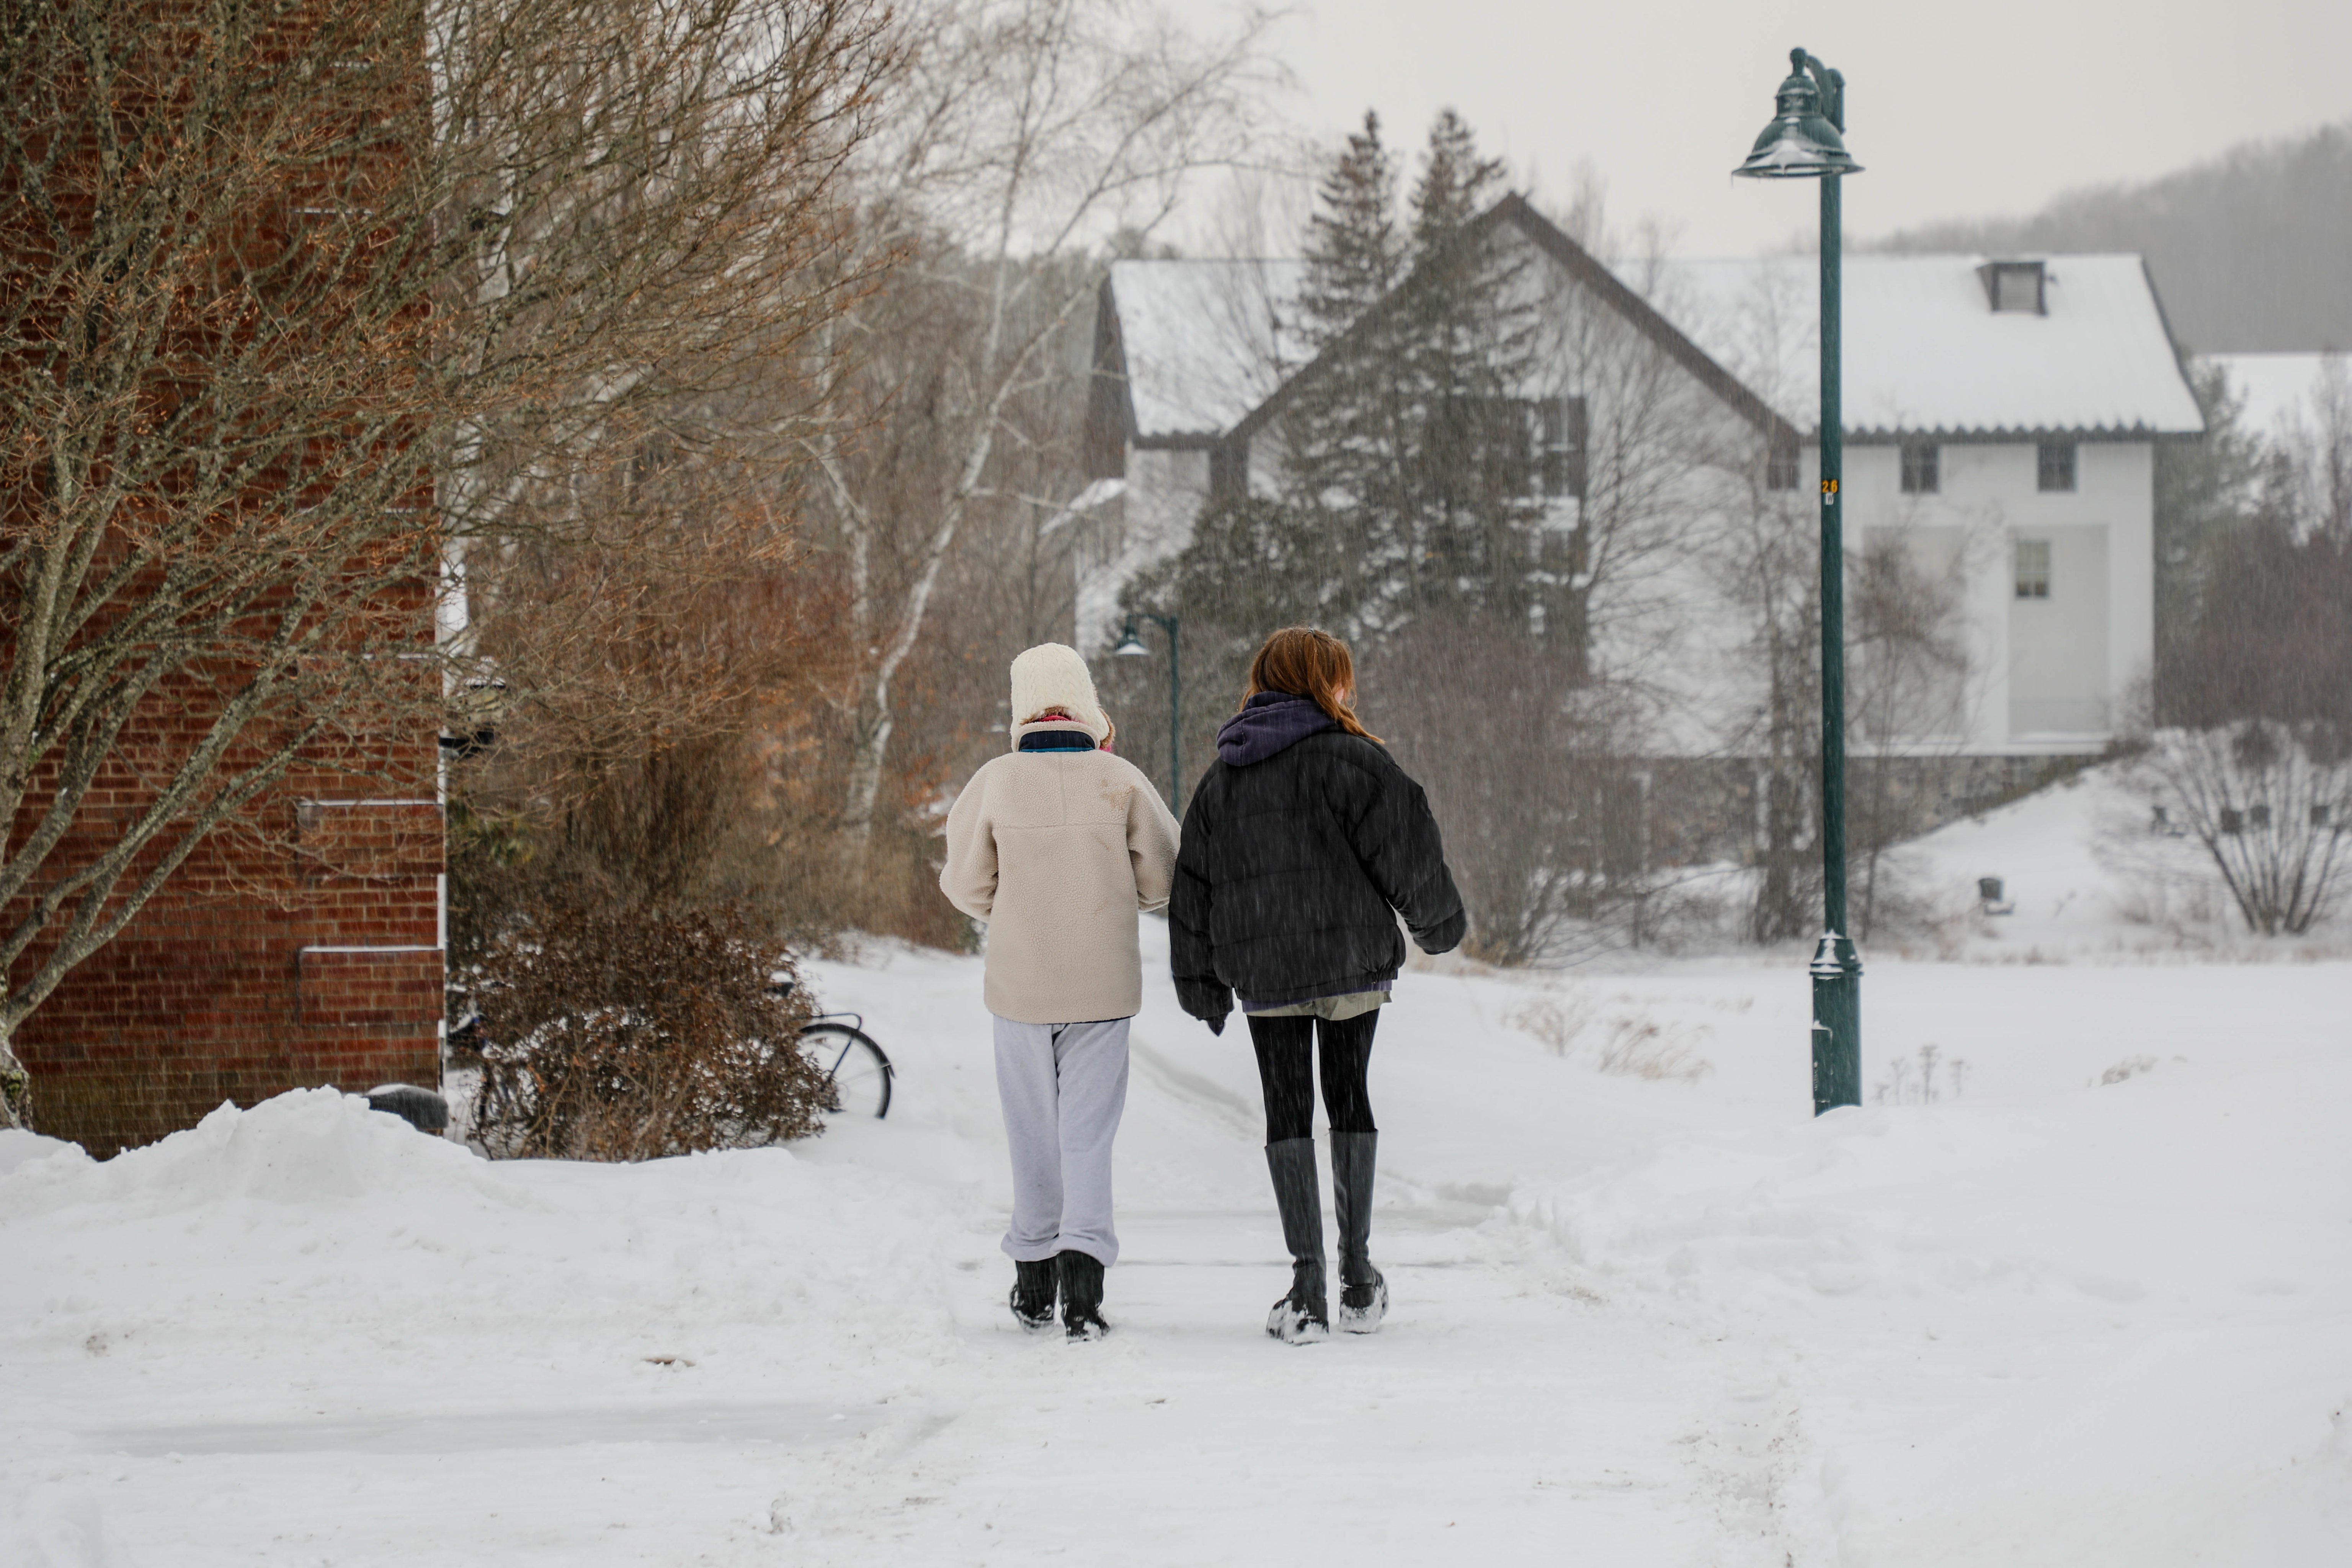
point(14, 1083)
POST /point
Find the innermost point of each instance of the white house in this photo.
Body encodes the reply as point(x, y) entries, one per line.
point(2002, 420)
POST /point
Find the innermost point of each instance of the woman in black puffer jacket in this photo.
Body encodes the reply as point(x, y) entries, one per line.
point(1303, 844)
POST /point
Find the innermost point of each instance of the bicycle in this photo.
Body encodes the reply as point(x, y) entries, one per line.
point(854, 1063)
point(858, 1069)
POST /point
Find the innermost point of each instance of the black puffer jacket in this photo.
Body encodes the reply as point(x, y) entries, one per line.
point(1300, 841)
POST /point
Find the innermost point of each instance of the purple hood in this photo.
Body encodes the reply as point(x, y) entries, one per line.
point(1272, 721)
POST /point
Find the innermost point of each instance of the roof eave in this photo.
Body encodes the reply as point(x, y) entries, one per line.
point(1892, 435)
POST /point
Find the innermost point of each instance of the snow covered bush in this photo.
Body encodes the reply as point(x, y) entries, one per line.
point(2267, 802)
point(630, 1033)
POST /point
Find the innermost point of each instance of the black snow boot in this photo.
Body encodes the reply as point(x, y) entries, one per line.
point(1364, 1294)
point(1304, 1315)
point(1033, 1293)
point(1082, 1293)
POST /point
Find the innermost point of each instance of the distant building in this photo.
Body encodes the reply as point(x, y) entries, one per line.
point(2002, 416)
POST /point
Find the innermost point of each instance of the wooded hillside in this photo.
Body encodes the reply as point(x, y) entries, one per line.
point(2251, 251)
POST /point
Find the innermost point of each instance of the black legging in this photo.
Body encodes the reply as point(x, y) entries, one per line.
point(1289, 1084)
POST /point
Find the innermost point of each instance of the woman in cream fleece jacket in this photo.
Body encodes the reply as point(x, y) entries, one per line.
point(1060, 845)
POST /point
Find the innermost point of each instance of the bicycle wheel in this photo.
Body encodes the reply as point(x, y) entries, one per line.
point(860, 1072)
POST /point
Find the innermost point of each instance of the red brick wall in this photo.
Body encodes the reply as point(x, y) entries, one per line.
point(273, 962)
point(303, 946)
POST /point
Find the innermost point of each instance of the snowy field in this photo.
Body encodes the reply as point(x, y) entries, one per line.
point(2090, 1303)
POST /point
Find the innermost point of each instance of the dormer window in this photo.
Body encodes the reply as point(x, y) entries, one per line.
point(2015, 287)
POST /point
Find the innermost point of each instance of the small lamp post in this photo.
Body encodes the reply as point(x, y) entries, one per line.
point(1804, 143)
point(1131, 646)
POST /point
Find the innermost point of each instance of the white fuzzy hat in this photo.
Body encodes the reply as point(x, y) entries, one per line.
point(1052, 675)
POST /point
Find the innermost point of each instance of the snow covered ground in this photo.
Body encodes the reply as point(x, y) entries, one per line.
point(2089, 1303)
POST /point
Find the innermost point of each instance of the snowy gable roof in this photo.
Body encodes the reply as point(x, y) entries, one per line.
point(2281, 390)
point(1925, 351)
point(1205, 341)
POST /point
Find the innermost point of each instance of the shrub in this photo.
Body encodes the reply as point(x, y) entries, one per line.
point(630, 1033)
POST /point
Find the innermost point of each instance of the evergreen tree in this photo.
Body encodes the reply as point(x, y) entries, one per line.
point(1346, 433)
point(1468, 328)
point(1354, 254)
point(2204, 489)
point(1408, 451)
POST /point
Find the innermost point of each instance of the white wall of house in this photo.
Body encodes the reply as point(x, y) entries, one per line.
point(1151, 521)
point(2049, 675)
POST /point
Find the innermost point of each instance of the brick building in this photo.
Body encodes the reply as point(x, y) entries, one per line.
point(301, 943)
point(307, 953)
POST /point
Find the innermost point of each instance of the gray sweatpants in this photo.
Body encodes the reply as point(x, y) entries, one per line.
point(1064, 1087)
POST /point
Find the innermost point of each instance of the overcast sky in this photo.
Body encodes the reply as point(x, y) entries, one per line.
point(1970, 108)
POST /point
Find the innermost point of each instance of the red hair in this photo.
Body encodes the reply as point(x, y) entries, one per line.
point(1309, 662)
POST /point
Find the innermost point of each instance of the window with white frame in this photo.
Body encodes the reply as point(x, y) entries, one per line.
point(1562, 441)
point(2054, 465)
point(1922, 469)
point(2033, 568)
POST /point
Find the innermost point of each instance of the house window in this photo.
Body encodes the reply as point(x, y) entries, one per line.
point(2015, 287)
point(1228, 473)
point(1780, 467)
point(2056, 466)
point(2033, 568)
point(1922, 470)
point(1566, 429)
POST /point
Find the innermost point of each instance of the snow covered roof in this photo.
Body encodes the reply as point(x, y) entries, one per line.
point(1925, 351)
point(1205, 342)
point(2281, 390)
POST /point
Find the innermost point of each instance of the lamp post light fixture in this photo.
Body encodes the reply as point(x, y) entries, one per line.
point(1130, 645)
point(1805, 142)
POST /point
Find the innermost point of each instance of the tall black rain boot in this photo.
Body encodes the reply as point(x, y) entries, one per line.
point(1082, 1293)
point(1364, 1294)
point(1033, 1293)
point(1304, 1315)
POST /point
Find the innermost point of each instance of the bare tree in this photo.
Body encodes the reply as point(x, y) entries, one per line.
point(2269, 803)
point(1908, 704)
point(301, 298)
point(2254, 758)
point(1023, 134)
point(1533, 772)
point(2310, 475)
point(1618, 547)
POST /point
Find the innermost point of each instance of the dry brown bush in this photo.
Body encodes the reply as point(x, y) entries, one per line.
point(628, 1033)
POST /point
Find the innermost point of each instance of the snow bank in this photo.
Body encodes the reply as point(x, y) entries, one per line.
point(317, 1147)
point(21, 1148)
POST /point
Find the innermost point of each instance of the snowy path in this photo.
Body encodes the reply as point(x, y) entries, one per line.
point(1642, 1320)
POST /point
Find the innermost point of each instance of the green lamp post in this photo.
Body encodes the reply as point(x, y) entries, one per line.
point(1803, 142)
point(1131, 646)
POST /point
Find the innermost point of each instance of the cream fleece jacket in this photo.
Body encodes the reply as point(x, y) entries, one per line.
point(1057, 852)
